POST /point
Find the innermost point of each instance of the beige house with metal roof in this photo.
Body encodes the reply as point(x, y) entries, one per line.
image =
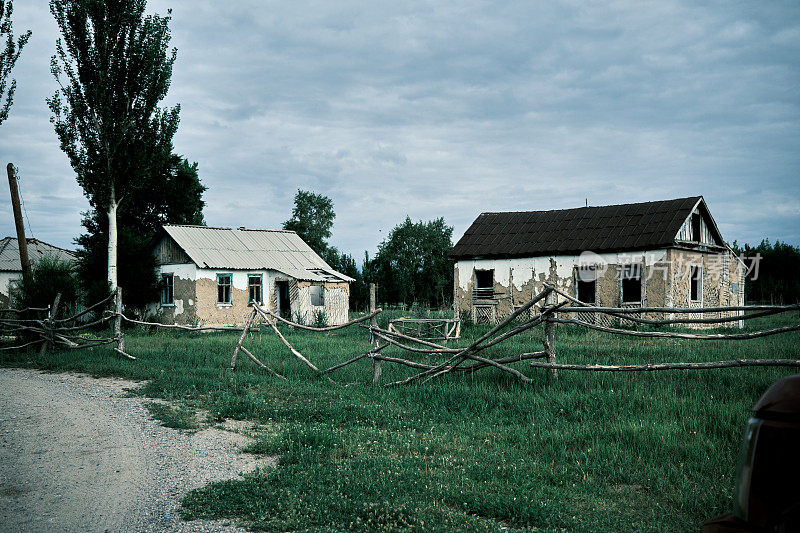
point(210, 276)
point(11, 267)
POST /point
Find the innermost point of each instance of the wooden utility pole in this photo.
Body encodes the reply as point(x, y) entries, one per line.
point(376, 374)
point(23, 244)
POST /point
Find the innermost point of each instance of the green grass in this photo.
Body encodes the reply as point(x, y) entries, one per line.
point(649, 451)
point(173, 416)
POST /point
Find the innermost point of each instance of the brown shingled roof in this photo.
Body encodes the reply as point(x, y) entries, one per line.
point(598, 229)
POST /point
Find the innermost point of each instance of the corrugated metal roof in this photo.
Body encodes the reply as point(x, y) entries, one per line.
point(251, 249)
point(599, 229)
point(9, 253)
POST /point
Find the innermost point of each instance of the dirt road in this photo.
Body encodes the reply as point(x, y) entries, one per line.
point(77, 455)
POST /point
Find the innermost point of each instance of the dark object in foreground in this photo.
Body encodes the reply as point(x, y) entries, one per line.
point(768, 476)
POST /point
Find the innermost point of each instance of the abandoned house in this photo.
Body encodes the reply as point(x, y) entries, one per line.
point(655, 254)
point(211, 276)
point(11, 266)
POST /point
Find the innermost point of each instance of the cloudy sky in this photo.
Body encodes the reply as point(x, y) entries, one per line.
point(433, 109)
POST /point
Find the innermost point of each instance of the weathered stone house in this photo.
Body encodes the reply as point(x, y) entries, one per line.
point(656, 254)
point(11, 266)
point(210, 276)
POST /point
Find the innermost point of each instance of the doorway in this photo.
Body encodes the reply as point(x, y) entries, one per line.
point(284, 306)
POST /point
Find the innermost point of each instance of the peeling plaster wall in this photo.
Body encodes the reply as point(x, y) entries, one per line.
point(235, 313)
point(722, 280)
point(184, 310)
point(195, 296)
point(516, 281)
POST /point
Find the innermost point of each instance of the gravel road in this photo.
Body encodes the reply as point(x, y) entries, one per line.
point(77, 455)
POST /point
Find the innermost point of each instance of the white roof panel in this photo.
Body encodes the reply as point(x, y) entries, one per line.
point(250, 249)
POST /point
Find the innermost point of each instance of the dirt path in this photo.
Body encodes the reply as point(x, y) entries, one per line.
point(76, 455)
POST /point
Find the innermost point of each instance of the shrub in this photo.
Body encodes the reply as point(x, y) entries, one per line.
point(48, 276)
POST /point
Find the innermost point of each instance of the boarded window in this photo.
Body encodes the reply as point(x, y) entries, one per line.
point(587, 284)
point(254, 290)
point(224, 282)
point(317, 295)
point(167, 289)
point(484, 284)
point(631, 283)
point(696, 283)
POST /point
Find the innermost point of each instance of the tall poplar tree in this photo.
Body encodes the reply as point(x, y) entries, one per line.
point(113, 65)
point(9, 53)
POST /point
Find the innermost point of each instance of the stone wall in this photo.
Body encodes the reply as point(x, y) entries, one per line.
point(516, 281)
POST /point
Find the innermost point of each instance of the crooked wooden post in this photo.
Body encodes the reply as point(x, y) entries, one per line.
point(239, 346)
point(550, 335)
point(48, 325)
point(373, 322)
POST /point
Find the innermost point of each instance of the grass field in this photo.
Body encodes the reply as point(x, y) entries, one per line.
point(648, 451)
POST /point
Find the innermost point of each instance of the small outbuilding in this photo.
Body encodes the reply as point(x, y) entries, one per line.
point(211, 276)
point(11, 266)
point(654, 254)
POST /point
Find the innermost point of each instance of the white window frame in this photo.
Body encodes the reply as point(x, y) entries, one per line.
point(228, 275)
point(260, 289)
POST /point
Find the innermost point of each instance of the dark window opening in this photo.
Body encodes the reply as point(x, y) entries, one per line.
point(284, 306)
point(696, 227)
point(224, 282)
point(484, 284)
point(167, 289)
point(632, 284)
point(696, 283)
point(317, 295)
point(254, 292)
point(587, 284)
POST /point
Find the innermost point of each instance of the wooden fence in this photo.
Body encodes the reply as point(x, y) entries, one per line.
point(34, 326)
point(550, 308)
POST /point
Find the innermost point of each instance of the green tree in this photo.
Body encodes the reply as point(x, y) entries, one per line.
point(113, 67)
point(412, 264)
point(8, 57)
point(312, 219)
point(773, 272)
point(49, 275)
point(176, 198)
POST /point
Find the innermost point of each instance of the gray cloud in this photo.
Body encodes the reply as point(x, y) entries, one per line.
point(449, 110)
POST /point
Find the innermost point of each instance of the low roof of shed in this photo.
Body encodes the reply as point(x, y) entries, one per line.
point(9, 253)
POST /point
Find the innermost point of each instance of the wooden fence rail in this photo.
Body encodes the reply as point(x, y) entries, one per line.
point(550, 307)
point(50, 331)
